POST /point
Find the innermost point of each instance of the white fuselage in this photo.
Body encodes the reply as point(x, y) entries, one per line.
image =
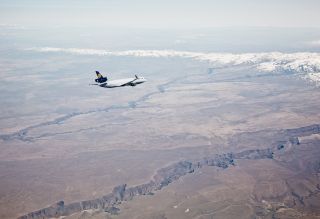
point(123, 82)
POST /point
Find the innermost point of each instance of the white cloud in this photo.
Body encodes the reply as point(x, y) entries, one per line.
point(12, 26)
point(304, 62)
point(314, 77)
point(314, 43)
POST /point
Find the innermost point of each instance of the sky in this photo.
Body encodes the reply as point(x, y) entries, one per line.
point(161, 14)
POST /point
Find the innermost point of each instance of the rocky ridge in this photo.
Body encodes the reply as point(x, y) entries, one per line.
point(165, 176)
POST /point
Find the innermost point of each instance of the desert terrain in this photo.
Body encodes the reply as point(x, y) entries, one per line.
point(195, 141)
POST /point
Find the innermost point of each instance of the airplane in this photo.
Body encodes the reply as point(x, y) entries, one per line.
point(104, 82)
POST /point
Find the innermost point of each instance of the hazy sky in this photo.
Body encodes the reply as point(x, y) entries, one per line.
point(161, 13)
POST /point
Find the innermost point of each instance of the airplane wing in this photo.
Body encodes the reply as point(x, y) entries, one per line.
point(129, 82)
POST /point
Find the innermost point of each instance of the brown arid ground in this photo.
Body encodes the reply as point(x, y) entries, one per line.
point(84, 155)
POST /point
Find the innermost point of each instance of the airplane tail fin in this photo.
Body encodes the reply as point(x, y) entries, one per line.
point(100, 78)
